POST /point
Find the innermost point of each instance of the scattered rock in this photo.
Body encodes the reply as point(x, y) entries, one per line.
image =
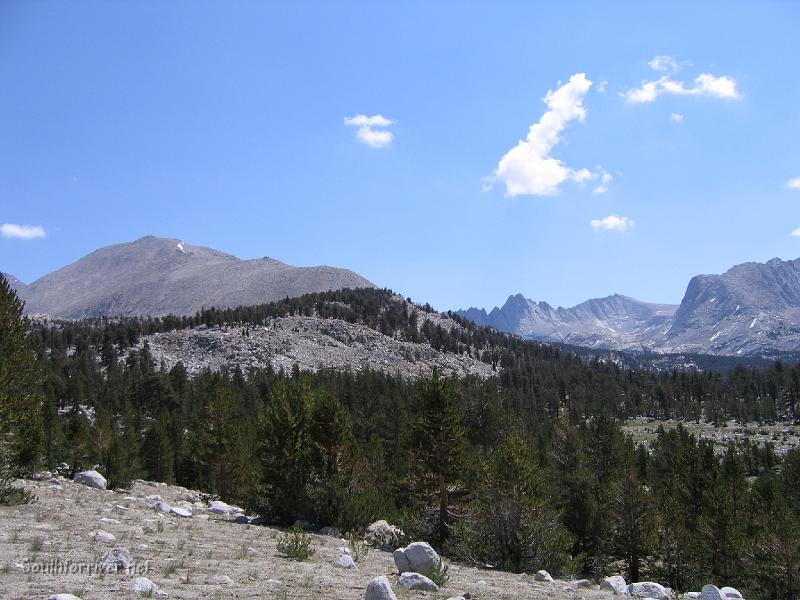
point(543, 576)
point(223, 508)
point(161, 506)
point(711, 592)
point(401, 562)
point(692, 595)
point(582, 583)
point(222, 580)
point(109, 520)
point(379, 589)
point(730, 592)
point(345, 562)
point(415, 581)
point(63, 597)
point(142, 585)
point(615, 584)
point(649, 589)
point(93, 479)
point(117, 559)
point(102, 536)
point(382, 535)
point(420, 556)
point(181, 512)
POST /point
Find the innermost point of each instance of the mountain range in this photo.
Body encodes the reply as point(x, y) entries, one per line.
point(157, 276)
point(751, 309)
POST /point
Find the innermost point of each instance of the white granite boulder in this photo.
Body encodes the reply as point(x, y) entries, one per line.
point(92, 479)
point(379, 589)
point(415, 581)
point(649, 589)
point(543, 576)
point(615, 584)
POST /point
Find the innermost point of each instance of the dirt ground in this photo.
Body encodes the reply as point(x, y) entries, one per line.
point(48, 548)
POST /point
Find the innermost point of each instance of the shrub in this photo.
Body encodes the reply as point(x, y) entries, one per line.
point(358, 548)
point(295, 544)
point(439, 573)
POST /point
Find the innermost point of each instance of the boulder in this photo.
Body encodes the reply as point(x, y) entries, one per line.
point(379, 589)
point(582, 583)
point(161, 506)
point(692, 595)
point(543, 576)
point(383, 536)
point(421, 557)
point(615, 584)
point(93, 479)
point(730, 592)
point(63, 597)
point(117, 559)
point(711, 592)
point(400, 561)
point(649, 589)
point(142, 585)
point(345, 562)
point(415, 581)
point(181, 512)
point(222, 580)
point(102, 536)
point(223, 508)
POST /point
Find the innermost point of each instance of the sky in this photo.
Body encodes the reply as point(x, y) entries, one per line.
point(454, 152)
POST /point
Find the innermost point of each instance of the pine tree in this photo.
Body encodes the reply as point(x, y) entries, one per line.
point(20, 424)
point(440, 443)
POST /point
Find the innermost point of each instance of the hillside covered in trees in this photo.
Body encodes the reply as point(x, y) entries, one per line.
point(523, 470)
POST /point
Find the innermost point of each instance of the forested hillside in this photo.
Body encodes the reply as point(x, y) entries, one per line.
point(524, 470)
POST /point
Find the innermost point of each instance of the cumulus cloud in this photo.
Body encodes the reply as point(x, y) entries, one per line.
point(528, 168)
point(612, 223)
point(676, 118)
point(664, 63)
point(796, 232)
point(372, 130)
point(705, 84)
point(794, 183)
point(22, 232)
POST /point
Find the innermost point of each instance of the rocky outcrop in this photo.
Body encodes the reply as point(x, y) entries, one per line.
point(92, 479)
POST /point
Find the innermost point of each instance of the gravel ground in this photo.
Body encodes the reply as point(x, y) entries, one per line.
point(182, 556)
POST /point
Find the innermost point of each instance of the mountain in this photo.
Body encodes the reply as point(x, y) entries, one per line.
point(752, 309)
point(20, 288)
point(616, 322)
point(158, 276)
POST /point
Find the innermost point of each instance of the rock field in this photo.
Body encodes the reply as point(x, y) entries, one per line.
point(204, 555)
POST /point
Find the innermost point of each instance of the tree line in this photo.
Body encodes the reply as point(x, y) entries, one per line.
point(527, 470)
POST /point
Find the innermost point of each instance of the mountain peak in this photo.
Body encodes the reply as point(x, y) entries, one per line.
point(154, 276)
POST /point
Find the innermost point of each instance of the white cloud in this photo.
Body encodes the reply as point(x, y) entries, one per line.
point(676, 118)
point(796, 232)
point(23, 232)
point(605, 180)
point(372, 129)
point(705, 84)
point(664, 63)
point(528, 168)
point(612, 223)
point(794, 183)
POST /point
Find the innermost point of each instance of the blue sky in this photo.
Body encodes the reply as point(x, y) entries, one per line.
point(224, 124)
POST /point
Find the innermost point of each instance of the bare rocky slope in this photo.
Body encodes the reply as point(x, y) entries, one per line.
point(158, 276)
point(55, 547)
point(753, 309)
point(311, 343)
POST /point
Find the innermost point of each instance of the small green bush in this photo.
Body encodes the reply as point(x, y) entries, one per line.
point(358, 548)
point(295, 544)
point(439, 574)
